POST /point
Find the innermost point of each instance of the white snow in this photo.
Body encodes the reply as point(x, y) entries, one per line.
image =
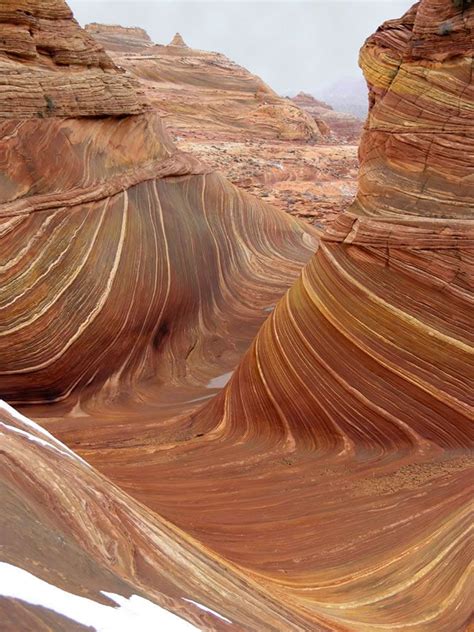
point(133, 613)
point(49, 440)
point(220, 381)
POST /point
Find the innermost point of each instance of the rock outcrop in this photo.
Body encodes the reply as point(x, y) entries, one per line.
point(178, 41)
point(315, 476)
point(49, 67)
point(341, 124)
point(121, 38)
point(416, 153)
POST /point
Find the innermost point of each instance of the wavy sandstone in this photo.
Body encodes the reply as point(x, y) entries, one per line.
point(320, 481)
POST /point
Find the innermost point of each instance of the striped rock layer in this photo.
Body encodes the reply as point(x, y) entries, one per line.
point(120, 38)
point(327, 486)
point(49, 66)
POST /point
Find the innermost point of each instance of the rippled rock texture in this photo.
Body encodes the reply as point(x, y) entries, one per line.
point(237, 124)
point(320, 482)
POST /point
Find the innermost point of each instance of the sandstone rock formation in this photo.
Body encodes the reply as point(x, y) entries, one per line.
point(120, 38)
point(417, 150)
point(49, 66)
point(178, 41)
point(322, 482)
point(341, 124)
point(366, 362)
point(237, 124)
point(128, 271)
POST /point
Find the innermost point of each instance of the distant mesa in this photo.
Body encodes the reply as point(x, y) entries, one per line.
point(348, 94)
point(304, 98)
point(178, 41)
point(342, 124)
point(122, 31)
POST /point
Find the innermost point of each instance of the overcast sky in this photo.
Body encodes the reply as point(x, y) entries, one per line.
point(293, 45)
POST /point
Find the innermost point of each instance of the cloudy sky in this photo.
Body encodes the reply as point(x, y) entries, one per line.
point(293, 45)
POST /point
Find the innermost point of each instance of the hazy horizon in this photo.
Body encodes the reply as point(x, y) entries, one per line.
point(293, 45)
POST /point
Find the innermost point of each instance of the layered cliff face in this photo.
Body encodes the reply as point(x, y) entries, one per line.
point(326, 486)
point(340, 124)
point(49, 66)
point(237, 124)
point(120, 38)
point(417, 151)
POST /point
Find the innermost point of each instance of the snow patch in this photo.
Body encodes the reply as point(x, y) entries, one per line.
point(132, 613)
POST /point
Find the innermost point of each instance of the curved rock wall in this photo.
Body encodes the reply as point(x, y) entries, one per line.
point(365, 366)
point(416, 153)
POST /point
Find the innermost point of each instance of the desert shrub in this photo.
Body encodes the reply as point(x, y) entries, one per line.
point(446, 28)
point(49, 104)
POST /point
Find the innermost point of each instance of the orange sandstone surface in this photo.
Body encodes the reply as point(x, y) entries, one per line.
point(206, 441)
